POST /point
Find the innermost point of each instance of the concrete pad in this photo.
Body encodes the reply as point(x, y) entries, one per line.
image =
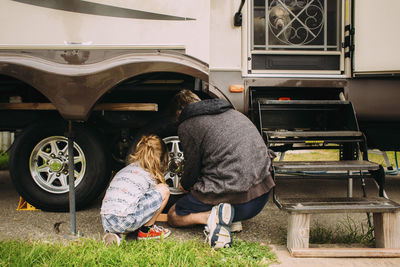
point(285, 260)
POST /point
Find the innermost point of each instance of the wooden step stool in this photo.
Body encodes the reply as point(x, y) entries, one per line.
point(386, 217)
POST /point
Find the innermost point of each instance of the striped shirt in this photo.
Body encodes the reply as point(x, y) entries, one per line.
point(125, 190)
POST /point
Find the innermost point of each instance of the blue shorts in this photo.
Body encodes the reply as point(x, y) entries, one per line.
point(190, 204)
point(147, 206)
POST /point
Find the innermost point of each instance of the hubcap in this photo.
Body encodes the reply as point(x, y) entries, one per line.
point(56, 165)
point(48, 164)
point(175, 164)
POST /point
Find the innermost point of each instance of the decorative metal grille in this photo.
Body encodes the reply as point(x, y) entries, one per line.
point(296, 24)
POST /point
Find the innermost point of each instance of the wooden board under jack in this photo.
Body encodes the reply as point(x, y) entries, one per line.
point(163, 217)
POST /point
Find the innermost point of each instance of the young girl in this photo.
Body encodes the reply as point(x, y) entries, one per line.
point(137, 194)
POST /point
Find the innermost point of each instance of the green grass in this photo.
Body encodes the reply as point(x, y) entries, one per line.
point(3, 161)
point(333, 154)
point(312, 155)
point(346, 232)
point(379, 159)
point(87, 252)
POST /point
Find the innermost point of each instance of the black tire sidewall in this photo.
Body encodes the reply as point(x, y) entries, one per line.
point(93, 183)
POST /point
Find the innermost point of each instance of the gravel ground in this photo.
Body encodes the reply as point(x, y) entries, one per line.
point(267, 227)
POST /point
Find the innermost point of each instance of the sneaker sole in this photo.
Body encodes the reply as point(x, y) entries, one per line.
point(221, 238)
point(225, 214)
point(236, 227)
point(110, 239)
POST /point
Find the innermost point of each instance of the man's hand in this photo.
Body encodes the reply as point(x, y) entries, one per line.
point(182, 189)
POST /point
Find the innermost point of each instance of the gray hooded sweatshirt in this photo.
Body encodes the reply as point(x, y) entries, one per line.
point(226, 159)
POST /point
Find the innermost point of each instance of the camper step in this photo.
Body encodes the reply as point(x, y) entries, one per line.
point(336, 117)
point(302, 102)
point(293, 137)
point(285, 134)
point(342, 165)
point(339, 205)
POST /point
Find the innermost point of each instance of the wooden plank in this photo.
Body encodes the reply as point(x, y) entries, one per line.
point(163, 217)
point(387, 230)
point(345, 253)
point(127, 106)
point(27, 106)
point(102, 106)
point(298, 231)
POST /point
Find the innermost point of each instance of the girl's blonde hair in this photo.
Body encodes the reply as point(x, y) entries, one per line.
point(151, 154)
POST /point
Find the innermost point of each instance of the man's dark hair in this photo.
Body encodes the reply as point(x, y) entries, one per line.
point(181, 100)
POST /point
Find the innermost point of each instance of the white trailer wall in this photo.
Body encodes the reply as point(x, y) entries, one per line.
point(377, 39)
point(29, 24)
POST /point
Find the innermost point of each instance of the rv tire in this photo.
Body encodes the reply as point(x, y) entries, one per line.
point(39, 166)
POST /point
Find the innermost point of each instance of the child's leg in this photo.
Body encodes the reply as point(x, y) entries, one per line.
point(149, 230)
point(164, 191)
point(112, 235)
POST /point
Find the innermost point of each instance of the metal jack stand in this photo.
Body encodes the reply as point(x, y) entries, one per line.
point(71, 181)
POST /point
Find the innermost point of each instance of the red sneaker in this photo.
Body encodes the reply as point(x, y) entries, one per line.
point(155, 232)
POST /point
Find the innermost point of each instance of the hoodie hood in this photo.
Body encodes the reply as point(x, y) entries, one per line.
point(204, 107)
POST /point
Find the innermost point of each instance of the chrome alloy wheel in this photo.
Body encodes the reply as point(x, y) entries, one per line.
point(175, 164)
point(48, 164)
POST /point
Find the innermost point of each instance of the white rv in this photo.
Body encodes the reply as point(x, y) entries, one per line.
point(111, 67)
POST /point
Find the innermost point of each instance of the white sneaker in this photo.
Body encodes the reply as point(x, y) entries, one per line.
point(112, 238)
point(236, 227)
point(217, 231)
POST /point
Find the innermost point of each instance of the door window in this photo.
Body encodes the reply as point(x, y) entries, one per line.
point(295, 35)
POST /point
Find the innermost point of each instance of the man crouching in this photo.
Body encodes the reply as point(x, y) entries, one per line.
point(227, 167)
